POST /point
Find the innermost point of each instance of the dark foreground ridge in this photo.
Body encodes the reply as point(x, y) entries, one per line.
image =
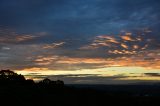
point(15, 90)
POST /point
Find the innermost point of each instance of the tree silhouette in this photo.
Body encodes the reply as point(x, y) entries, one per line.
point(10, 77)
point(60, 83)
point(46, 81)
point(49, 83)
point(7, 76)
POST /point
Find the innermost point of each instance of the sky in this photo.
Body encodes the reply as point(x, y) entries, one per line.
point(81, 41)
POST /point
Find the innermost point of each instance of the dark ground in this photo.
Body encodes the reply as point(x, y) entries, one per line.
point(80, 95)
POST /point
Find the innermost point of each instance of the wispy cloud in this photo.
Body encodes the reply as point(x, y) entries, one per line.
point(47, 60)
point(124, 46)
point(101, 41)
point(16, 39)
point(53, 45)
point(8, 36)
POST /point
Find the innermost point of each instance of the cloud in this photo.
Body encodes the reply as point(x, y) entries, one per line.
point(128, 44)
point(80, 78)
point(56, 62)
point(152, 74)
point(126, 52)
point(102, 51)
point(34, 69)
point(75, 35)
point(91, 79)
point(127, 37)
point(53, 45)
point(124, 46)
point(109, 39)
point(136, 47)
point(16, 39)
point(47, 60)
point(8, 36)
point(101, 41)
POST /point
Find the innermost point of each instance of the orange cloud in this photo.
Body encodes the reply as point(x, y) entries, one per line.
point(24, 38)
point(121, 52)
point(146, 59)
point(106, 38)
point(135, 46)
point(10, 36)
point(136, 60)
point(124, 45)
point(127, 38)
point(101, 41)
point(17, 38)
point(45, 60)
point(33, 69)
point(80, 60)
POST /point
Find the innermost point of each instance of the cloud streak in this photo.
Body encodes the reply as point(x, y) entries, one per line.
point(53, 45)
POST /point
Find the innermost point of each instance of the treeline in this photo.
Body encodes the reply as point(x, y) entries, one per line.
point(8, 77)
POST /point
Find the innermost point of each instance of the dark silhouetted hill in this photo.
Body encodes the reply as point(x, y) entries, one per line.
point(15, 90)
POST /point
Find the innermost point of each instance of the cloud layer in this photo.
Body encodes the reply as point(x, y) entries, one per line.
point(73, 35)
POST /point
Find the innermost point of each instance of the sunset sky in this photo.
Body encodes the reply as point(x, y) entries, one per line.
point(81, 41)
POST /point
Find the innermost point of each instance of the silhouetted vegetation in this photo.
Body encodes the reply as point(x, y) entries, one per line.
point(48, 83)
point(8, 77)
point(19, 91)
